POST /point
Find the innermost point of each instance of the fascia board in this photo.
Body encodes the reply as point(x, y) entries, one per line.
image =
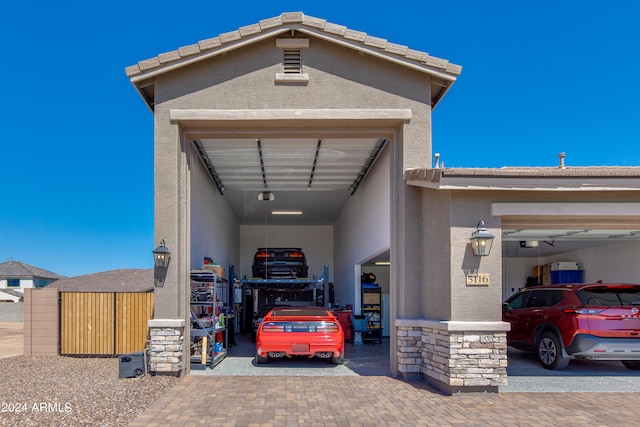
point(531, 184)
point(572, 209)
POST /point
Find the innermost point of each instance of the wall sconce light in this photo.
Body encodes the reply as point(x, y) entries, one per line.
point(481, 240)
point(161, 256)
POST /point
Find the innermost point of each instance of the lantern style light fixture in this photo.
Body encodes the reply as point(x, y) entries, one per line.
point(161, 256)
point(481, 240)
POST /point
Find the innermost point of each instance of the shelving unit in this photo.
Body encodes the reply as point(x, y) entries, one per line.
point(372, 307)
point(208, 328)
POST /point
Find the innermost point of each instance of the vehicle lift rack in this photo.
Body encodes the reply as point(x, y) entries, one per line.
point(299, 284)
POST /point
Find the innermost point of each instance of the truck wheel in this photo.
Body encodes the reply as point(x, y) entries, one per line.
point(549, 351)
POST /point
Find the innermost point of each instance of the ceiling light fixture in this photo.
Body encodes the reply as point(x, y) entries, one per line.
point(286, 212)
point(266, 195)
point(383, 263)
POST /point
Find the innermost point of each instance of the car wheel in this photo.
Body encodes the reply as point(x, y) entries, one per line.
point(549, 350)
point(338, 360)
point(634, 365)
point(260, 360)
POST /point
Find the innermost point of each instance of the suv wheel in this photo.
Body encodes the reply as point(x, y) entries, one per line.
point(632, 364)
point(549, 352)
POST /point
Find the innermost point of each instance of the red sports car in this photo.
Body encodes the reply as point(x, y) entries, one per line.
point(300, 331)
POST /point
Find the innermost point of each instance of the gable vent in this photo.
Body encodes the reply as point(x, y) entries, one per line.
point(292, 61)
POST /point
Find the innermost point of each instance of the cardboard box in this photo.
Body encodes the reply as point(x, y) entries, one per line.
point(537, 271)
point(564, 265)
point(217, 269)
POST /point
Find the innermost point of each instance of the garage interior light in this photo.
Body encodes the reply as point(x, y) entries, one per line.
point(383, 262)
point(266, 196)
point(286, 212)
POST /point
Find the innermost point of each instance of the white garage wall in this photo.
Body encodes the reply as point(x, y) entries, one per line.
point(616, 262)
point(515, 272)
point(316, 241)
point(214, 229)
point(362, 230)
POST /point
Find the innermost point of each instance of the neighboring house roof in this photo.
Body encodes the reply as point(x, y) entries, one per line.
point(442, 71)
point(589, 178)
point(12, 292)
point(17, 269)
point(123, 280)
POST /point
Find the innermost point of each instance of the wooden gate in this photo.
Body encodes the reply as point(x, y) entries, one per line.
point(104, 323)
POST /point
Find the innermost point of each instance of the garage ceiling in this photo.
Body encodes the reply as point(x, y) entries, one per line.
point(546, 242)
point(313, 175)
point(318, 175)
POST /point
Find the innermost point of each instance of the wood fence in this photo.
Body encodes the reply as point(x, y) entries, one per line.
point(104, 323)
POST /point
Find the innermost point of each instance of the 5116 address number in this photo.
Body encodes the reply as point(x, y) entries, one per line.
point(478, 280)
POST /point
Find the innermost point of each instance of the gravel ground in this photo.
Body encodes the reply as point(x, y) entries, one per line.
point(68, 391)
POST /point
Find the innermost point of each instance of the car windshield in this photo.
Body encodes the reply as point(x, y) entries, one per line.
point(296, 312)
point(612, 297)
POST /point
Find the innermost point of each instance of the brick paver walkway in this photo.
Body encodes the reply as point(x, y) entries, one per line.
point(374, 401)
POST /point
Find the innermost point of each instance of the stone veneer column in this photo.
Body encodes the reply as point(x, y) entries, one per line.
point(166, 353)
point(454, 356)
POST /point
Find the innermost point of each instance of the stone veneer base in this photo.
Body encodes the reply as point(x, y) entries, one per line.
point(166, 347)
point(456, 357)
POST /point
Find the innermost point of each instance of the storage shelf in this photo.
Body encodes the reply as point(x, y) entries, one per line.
point(372, 305)
point(206, 300)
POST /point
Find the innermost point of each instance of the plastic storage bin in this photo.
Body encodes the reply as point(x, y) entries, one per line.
point(564, 265)
point(566, 276)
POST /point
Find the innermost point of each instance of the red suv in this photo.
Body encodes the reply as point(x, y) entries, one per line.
point(562, 322)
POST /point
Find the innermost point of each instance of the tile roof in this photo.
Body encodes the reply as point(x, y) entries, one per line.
point(12, 292)
point(122, 280)
point(583, 177)
point(17, 269)
point(585, 171)
point(283, 23)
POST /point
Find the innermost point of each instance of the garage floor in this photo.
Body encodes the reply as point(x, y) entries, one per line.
point(372, 359)
point(526, 375)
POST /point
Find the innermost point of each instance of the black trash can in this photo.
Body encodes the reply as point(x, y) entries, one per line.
point(132, 365)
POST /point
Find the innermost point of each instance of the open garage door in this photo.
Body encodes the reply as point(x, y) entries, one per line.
point(601, 238)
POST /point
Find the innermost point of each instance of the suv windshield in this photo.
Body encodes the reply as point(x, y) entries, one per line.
point(611, 297)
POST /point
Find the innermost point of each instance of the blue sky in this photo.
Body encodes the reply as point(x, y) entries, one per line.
point(538, 78)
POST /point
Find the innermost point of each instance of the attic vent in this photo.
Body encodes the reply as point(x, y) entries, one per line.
point(292, 61)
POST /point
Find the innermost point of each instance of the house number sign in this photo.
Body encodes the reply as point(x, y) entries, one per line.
point(478, 280)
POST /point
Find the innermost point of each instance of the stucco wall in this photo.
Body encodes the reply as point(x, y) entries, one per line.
point(474, 303)
point(471, 303)
point(436, 239)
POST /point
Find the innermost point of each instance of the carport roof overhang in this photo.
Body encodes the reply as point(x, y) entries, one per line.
point(563, 221)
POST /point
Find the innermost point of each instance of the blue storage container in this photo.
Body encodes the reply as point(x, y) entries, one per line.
point(566, 276)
